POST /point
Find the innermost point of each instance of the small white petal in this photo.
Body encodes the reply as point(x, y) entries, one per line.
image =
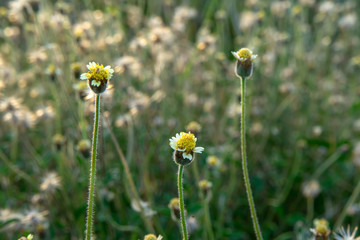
point(235, 55)
point(253, 57)
point(181, 150)
point(83, 76)
point(95, 83)
point(185, 155)
point(198, 150)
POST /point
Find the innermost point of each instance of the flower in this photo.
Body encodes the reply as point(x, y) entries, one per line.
point(184, 145)
point(244, 63)
point(345, 235)
point(244, 55)
point(321, 228)
point(152, 237)
point(97, 77)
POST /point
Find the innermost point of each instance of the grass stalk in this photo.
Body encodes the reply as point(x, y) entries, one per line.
point(90, 212)
point(134, 192)
point(354, 196)
point(244, 165)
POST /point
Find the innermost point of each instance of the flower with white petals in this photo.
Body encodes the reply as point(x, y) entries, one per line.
point(184, 145)
point(244, 54)
point(346, 235)
point(97, 76)
point(244, 63)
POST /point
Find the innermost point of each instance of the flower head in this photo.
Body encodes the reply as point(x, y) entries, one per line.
point(322, 229)
point(97, 76)
point(184, 145)
point(244, 63)
point(346, 235)
point(152, 237)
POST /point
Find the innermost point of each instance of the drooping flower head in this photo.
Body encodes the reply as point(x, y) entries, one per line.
point(244, 63)
point(98, 77)
point(184, 145)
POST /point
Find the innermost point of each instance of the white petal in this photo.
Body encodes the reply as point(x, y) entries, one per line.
point(253, 57)
point(198, 150)
point(235, 55)
point(83, 76)
point(185, 155)
point(95, 83)
point(181, 150)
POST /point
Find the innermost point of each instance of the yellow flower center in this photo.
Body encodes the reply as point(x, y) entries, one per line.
point(186, 141)
point(212, 160)
point(321, 226)
point(150, 237)
point(98, 73)
point(245, 53)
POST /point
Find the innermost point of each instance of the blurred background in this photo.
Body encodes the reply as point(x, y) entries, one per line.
point(173, 66)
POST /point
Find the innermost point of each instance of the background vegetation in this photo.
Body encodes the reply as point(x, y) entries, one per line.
point(172, 66)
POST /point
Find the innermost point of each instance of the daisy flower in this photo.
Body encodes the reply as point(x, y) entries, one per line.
point(184, 145)
point(244, 63)
point(97, 76)
point(346, 235)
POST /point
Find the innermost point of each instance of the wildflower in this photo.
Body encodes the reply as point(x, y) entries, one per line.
point(244, 63)
point(84, 147)
point(76, 69)
point(29, 237)
point(194, 127)
point(345, 235)
point(184, 145)
point(144, 205)
point(98, 77)
point(205, 186)
point(192, 224)
point(321, 230)
point(152, 237)
point(311, 189)
point(213, 161)
point(174, 206)
point(59, 141)
point(51, 182)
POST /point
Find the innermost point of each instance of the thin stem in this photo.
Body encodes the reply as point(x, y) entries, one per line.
point(181, 199)
point(310, 209)
point(135, 194)
point(354, 196)
point(205, 203)
point(244, 165)
point(90, 212)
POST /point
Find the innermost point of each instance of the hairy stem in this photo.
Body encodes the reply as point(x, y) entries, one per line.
point(181, 199)
point(90, 213)
point(244, 165)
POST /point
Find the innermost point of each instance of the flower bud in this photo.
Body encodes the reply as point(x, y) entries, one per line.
point(84, 147)
point(174, 206)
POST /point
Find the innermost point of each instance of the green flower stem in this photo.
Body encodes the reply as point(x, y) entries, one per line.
point(310, 209)
point(90, 213)
point(244, 165)
point(181, 198)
